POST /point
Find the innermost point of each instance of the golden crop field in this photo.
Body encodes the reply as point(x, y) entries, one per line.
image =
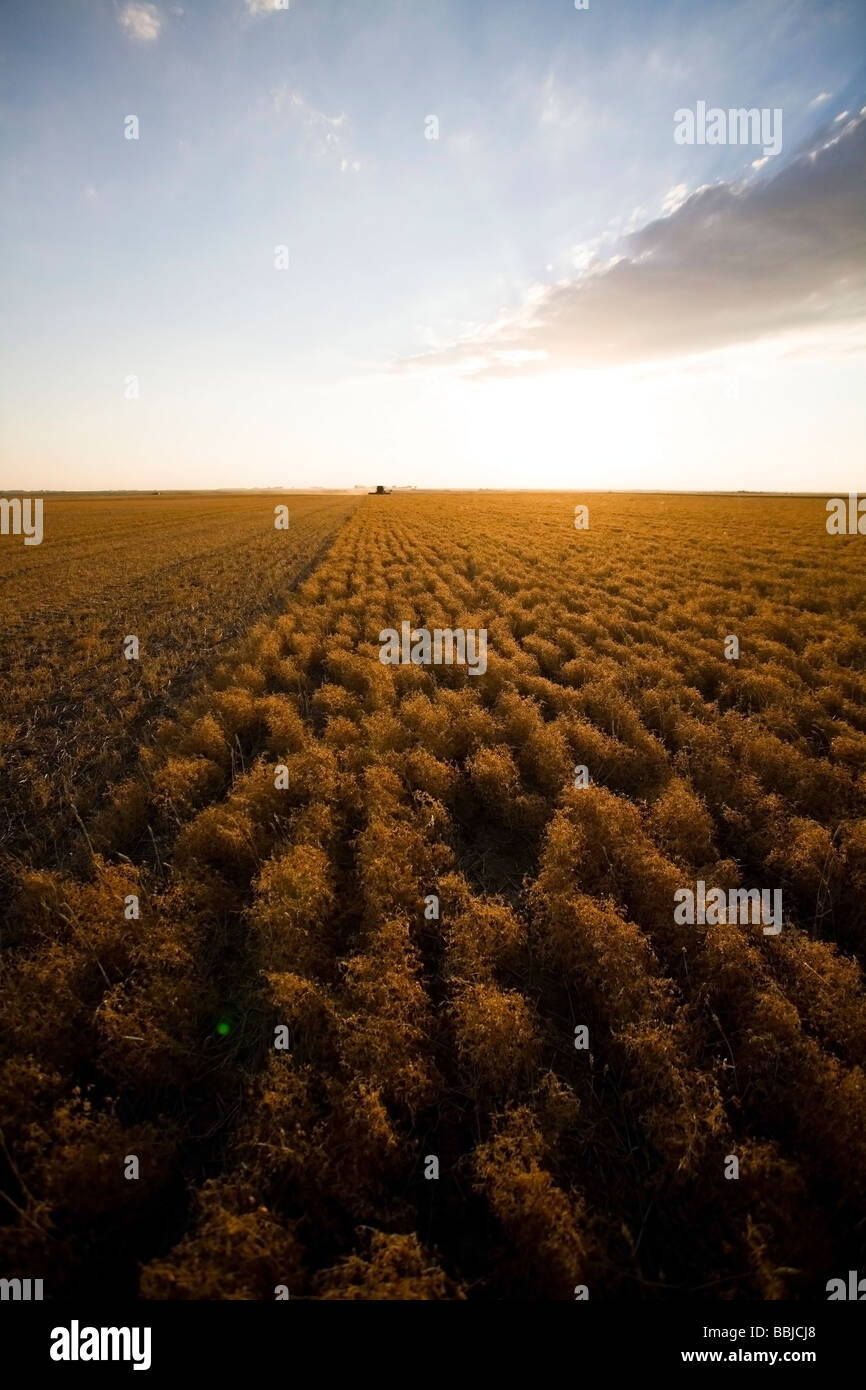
point(184, 573)
point(376, 969)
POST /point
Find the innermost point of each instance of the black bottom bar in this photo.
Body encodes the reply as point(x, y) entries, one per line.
point(224, 1340)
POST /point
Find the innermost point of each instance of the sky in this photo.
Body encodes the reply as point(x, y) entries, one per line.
point(457, 244)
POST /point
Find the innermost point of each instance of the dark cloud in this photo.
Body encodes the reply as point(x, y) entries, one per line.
point(733, 264)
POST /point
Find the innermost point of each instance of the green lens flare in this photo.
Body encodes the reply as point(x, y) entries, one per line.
point(224, 1029)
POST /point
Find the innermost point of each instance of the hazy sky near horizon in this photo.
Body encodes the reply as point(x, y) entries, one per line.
point(553, 293)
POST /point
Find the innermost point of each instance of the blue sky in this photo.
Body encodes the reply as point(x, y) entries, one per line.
point(552, 293)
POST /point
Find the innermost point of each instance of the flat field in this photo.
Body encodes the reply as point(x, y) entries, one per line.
point(182, 572)
point(406, 1010)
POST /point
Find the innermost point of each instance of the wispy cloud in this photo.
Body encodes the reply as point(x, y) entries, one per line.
point(325, 135)
point(257, 7)
point(140, 22)
point(556, 108)
point(819, 100)
point(731, 263)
